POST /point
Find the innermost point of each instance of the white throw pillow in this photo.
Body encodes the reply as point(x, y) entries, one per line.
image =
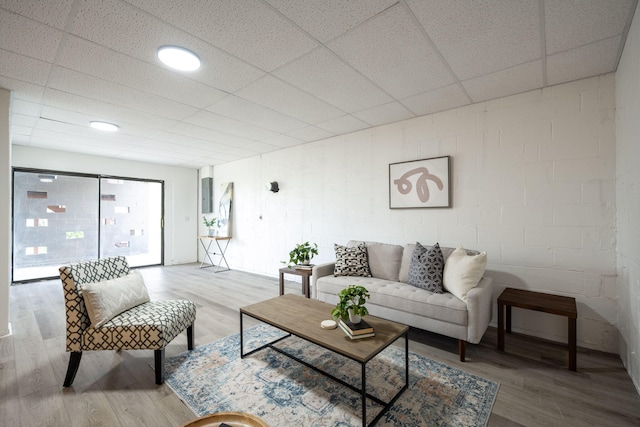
point(105, 300)
point(462, 272)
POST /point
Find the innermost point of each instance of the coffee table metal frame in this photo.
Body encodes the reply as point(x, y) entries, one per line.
point(363, 363)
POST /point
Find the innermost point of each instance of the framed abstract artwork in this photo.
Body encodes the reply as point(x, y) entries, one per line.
point(422, 183)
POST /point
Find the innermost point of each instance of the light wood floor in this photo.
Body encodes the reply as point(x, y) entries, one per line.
point(118, 389)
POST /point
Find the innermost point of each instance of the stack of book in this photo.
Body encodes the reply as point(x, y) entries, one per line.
point(304, 267)
point(356, 330)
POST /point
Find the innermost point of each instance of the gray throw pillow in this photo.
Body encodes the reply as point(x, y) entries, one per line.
point(425, 270)
point(351, 261)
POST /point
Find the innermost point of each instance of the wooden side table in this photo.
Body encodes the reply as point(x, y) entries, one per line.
point(547, 303)
point(306, 274)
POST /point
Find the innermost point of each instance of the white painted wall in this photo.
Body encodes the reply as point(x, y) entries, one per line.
point(533, 185)
point(181, 191)
point(5, 210)
point(628, 196)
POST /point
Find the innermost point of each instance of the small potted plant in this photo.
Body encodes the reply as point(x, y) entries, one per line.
point(302, 254)
point(210, 224)
point(351, 304)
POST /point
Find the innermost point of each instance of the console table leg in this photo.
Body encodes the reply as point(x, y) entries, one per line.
point(500, 326)
point(572, 344)
point(508, 319)
point(281, 283)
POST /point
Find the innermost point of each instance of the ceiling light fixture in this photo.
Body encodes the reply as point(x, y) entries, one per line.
point(179, 58)
point(107, 127)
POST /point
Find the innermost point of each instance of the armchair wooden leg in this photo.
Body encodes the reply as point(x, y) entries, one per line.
point(159, 364)
point(74, 363)
point(190, 337)
point(462, 349)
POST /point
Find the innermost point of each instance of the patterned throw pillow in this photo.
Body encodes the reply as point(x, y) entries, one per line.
point(425, 270)
point(351, 261)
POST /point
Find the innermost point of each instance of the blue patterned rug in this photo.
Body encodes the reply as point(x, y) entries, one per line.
point(213, 378)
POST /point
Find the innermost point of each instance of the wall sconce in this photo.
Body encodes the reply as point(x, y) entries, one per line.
point(273, 186)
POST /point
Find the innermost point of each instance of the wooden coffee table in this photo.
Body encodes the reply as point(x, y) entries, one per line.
point(301, 317)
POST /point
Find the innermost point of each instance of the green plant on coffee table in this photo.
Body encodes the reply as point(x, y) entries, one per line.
point(354, 297)
point(301, 254)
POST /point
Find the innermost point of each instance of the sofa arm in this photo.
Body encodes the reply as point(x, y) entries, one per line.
point(479, 309)
point(318, 271)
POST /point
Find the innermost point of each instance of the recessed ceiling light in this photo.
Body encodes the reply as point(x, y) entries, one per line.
point(179, 58)
point(108, 127)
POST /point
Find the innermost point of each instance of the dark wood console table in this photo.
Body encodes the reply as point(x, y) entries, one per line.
point(547, 303)
point(305, 273)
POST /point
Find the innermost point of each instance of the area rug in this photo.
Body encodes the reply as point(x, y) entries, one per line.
point(283, 392)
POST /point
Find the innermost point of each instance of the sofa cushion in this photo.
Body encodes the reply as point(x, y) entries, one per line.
point(462, 272)
point(351, 261)
point(399, 296)
point(384, 260)
point(403, 275)
point(425, 270)
point(108, 298)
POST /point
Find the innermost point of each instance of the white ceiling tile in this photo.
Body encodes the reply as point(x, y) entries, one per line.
point(94, 88)
point(310, 134)
point(22, 120)
point(505, 31)
point(27, 37)
point(567, 21)
point(227, 125)
point(234, 106)
point(23, 68)
point(98, 61)
point(53, 13)
point(342, 125)
point(594, 59)
point(328, 19)
point(506, 82)
point(20, 134)
point(382, 114)
point(26, 108)
point(280, 96)
point(22, 90)
point(326, 76)
point(437, 100)
point(248, 29)
point(283, 141)
point(391, 50)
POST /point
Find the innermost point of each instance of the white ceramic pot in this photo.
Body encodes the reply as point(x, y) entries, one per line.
point(354, 318)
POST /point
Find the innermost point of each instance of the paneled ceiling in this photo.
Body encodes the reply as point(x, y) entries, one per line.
point(279, 73)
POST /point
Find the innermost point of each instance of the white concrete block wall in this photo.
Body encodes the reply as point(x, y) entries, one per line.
point(628, 202)
point(533, 183)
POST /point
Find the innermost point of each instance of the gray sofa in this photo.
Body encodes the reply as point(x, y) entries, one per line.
point(392, 298)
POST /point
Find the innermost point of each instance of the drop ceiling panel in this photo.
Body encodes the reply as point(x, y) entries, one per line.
point(226, 125)
point(566, 21)
point(53, 13)
point(520, 78)
point(311, 133)
point(342, 125)
point(594, 59)
point(27, 108)
point(392, 51)
point(323, 74)
point(94, 88)
point(248, 29)
point(234, 106)
point(328, 19)
point(283, 141)
point(280, 96)
point(441, 99)
point(478, 38)
point(27, 37)
point(98, 61)
point(382, 114)
point(23, 68)
point(21, 89)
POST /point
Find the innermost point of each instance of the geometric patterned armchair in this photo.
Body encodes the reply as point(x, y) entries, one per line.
point(150, 325)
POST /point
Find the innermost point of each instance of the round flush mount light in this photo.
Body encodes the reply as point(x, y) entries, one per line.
point(105, 126)
point(179, 58)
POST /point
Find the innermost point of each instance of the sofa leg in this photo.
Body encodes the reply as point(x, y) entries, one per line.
point(159, 363)
point(74, 363)
point(190, 337)
point(462, 349)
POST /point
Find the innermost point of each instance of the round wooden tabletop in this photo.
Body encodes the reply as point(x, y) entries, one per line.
point(232, 419)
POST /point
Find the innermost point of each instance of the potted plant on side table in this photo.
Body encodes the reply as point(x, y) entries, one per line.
point(351, 304)
point(210, 224)
point(302, 254)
